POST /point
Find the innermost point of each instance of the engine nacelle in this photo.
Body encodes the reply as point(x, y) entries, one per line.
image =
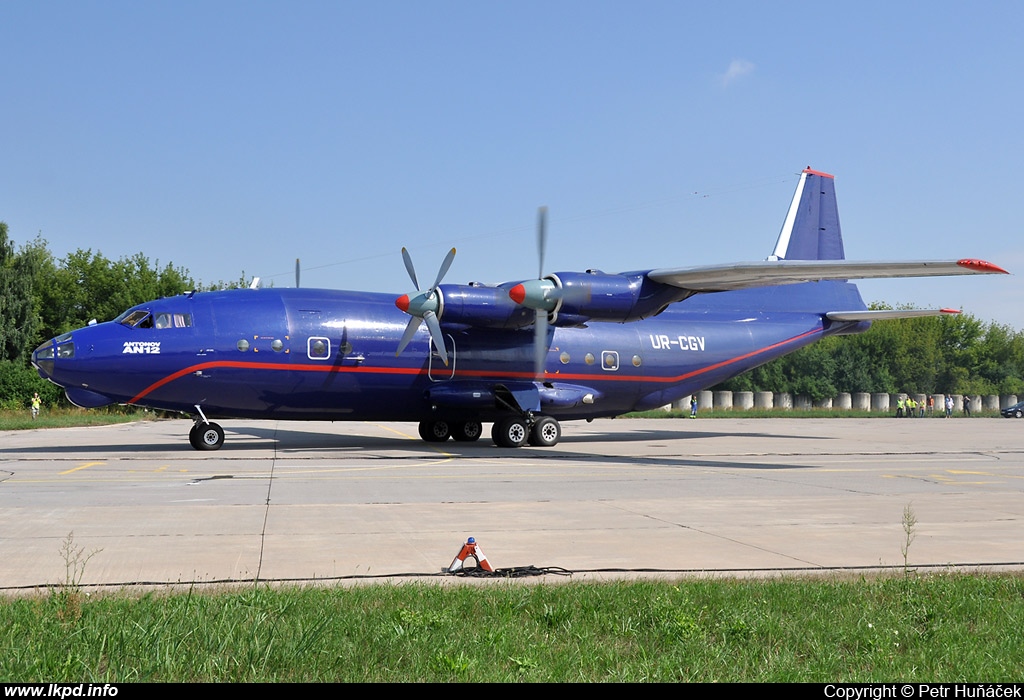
point(573, 298)
point(481, 306)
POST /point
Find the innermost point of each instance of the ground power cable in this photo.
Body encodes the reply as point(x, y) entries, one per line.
point(987, 568)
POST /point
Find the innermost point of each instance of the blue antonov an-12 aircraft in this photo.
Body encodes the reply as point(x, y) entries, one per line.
point(521, 355)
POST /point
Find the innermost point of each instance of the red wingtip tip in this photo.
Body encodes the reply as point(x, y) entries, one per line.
point(402, 302)
point(517, 293)
point(809, 171)
point(950, 311)
point(981, 266)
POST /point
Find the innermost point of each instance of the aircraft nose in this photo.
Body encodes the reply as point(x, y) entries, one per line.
point(60, 348)
point(42, 359)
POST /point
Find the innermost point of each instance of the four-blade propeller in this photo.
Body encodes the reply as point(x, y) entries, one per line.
point(424, 306)
point(542, 295)
point(539, 294)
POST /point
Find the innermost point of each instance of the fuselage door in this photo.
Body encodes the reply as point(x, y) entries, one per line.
point(436, 369)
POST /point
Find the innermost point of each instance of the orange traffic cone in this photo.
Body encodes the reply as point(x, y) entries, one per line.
point(470, 549)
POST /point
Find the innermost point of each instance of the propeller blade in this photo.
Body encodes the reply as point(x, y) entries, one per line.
point(410, 331)
point(424, 305)
point(540, 344)
point(542, 239)
point(444, 268)
point(409, 268)
point(434, 326)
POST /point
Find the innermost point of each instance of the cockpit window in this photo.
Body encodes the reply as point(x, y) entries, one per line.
point(136, 319)
point(144, 319)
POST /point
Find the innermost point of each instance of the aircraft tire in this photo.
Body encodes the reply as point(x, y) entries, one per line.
point(435, 430)
point(510, 432)
point(545, 432)
point(470, 431)
point(208, 436)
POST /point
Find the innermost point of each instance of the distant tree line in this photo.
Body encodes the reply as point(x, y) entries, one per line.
point(952, 354)
point(42, 296)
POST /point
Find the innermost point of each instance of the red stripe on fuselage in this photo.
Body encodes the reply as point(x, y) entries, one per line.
point(481, 374)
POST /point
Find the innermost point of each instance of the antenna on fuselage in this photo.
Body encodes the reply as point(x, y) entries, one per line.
point(296, 273)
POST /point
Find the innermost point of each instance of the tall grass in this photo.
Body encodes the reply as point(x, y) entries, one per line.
point(935, 628)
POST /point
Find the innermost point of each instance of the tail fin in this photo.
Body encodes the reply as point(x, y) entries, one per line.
point(811, 230)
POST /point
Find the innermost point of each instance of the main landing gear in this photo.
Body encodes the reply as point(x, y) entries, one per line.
point(440, 431)
point(512, 431)
point(205, 435)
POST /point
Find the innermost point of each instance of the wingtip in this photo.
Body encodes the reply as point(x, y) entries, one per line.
point(810, 171)
point(950, 311)
point(981, 266)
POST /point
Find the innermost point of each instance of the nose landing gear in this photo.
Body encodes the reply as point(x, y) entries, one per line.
point(205, 435)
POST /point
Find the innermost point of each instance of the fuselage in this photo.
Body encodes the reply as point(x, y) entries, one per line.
point(305, 354)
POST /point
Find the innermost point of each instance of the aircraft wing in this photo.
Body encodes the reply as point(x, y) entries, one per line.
point(883, 314)
point(721, 278)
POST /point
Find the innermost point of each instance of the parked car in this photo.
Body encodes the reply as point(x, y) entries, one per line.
point(1014, 411)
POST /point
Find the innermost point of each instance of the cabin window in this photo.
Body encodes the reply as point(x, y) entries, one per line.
point(277, 345)
point(564, 358)
point(242, 345)
point(318, 348)
point(610, 360)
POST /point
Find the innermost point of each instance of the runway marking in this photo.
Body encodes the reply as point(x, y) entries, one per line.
point(84, 466)
point(435, 448)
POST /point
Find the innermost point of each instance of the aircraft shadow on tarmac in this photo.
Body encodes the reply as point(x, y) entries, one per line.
point(249, 438)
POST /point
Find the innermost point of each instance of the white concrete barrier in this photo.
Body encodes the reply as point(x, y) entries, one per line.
point(880, 402)
point(743, 400)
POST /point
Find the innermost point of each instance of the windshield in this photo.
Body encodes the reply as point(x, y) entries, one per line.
point(142, 318)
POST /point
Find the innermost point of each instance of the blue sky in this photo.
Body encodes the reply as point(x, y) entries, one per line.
point(231, 137)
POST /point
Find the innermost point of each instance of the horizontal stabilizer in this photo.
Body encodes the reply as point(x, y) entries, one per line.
point(721, 278)
point(884, 314)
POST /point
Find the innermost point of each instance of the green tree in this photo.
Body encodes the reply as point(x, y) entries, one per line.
point(19, 319)
point(85, 285)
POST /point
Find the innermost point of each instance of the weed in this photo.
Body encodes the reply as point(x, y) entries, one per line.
point(909, 535)
point(68, 595)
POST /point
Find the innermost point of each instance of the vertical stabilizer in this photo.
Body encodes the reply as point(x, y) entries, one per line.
point(811, 229)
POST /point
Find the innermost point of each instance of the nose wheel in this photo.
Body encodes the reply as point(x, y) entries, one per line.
point(206, 436)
